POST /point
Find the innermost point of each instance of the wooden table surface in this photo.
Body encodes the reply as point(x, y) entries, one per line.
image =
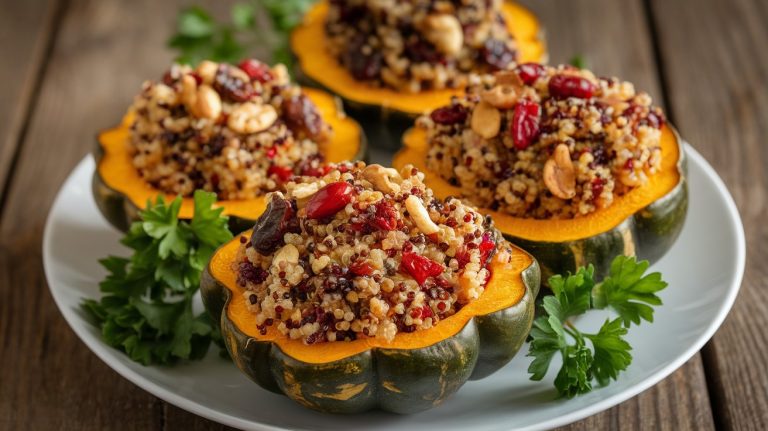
point(69, 68)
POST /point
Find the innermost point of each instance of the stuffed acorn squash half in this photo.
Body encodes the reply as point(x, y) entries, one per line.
point(574, 168)
point(406, 57)
point(239, 131)
point(361, 290)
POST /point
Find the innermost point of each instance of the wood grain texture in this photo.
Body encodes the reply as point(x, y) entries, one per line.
point(26, 30)
point(715, 63)
point(617, 42)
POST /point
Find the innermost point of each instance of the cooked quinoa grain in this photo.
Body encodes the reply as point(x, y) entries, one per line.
point(415, 45)
point(545, 142)
point(364, 251)
point(239, 131)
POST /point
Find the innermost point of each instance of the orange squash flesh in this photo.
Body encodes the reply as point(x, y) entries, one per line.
point(308, 43)
point(117, 171)
point(504, 289)
point(415, 150)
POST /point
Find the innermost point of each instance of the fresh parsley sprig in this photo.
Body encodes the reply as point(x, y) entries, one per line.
point(146, 307)
point(199, 37)
point(627, 290)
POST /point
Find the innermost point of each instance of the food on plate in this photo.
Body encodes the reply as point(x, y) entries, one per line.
point(573, 167)
point(410, 56)
point(360, 289)
point(237, 131)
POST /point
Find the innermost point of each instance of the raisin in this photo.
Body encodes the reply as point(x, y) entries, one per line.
point(571, 86)
point(231, 87)
point(301, 115)
point(272, 225)
point(497, 54)
point(449, 115)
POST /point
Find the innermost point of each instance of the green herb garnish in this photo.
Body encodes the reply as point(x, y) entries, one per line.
point(579, 61)
point(199, 37)
point(146, 307)
point(626, 290)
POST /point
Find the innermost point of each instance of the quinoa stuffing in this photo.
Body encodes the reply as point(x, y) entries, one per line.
point(364, 251)
point(239, 131)
point(545, 142)
point(416, 45)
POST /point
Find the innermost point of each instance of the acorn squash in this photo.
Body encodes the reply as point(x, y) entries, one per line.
point(319, 68)
point(644, 222)
point(415, 372)
point(120, 192)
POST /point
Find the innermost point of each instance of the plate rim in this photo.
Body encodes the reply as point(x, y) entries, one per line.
point(102, 351)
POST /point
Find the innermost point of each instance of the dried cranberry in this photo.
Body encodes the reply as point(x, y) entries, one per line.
point(256, 70)
point(597, 187)
point(419, 51)
point(497, 54)
point(571, 86)
point(283, 173)
point(253, 274)
point(271, 226)
point(420, 267)
point(426, 311)
point(361, 267)
point(329, 200)
point(530, 72)
point(487, 247)
point(271, 152)
point(362, 67)
point(449, 115)
point(385, 217)
point(232, 87)
point(301, 115)
point(525, 123)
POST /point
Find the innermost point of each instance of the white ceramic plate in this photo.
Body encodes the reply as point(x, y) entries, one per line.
point(702, 287)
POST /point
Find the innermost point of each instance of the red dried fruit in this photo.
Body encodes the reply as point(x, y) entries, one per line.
point(271, 152)
point(256, 70)
point(525, 123)
point(426, 311)
point(487, 247)
point(301, 115)
point(449, 115)
point(283, 173)
point(232, 87)
point(361, 268)
point(271, 226)
point(329, 200)
point(597, 187)
point(571, 86)
point(385, 217)
point(530, 72)
point(420, 267)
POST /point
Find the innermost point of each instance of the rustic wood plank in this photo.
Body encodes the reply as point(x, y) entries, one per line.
point(26, 31)
point(617, 42)
point(716, 71)
point(50, 380)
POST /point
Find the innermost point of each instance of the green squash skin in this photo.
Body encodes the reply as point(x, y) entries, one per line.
point(394, 380)
point(120, 211)
point(648, 234)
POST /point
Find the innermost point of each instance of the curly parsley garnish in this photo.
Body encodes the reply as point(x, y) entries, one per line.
point(146, 309)
point(626, 290)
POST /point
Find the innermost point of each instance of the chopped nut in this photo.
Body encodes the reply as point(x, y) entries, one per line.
point(208, 103)
point(320, 263)
point(304, 190)
point(207, 71)
point(252, 118)
point(381, 178)
point(420, 216)
point(509, 77)
point(559, 173)
point(486, 120)
point(288, 254)
point(445, 32)
point(188, 94)
point(501, 96)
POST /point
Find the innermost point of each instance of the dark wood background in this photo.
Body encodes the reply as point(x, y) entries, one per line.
point(68, 68)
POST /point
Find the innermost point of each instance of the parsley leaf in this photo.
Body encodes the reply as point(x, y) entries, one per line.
point(146, 307)
point(627, 290)
point(199, 37)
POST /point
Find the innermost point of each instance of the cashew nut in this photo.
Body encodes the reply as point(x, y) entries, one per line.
point(502, 96)
point(304, 190)
point(207, 71)
point(208, 103)
point(559, 173)
point(420, 216)
point(486, 120)
point(252, 118)
point(188, 93)
point(381, 178)
point(509, 77)
point(445, 32)
point(288, 254)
